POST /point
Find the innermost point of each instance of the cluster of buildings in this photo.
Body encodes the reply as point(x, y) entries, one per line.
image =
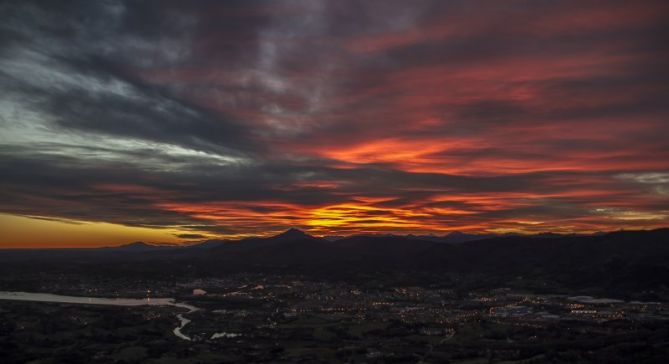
point(433, 311)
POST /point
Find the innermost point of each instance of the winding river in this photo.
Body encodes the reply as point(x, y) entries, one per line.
point(126, 302)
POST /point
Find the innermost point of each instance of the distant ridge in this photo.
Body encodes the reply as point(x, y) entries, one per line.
point(295, 234)
point(456, 237)
point(633, 260)
point(141, 246)
point(627, 258)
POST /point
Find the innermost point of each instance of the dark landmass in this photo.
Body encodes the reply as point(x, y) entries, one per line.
point(299, 298)
point(626, 262)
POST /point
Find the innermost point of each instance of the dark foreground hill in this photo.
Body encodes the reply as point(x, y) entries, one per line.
point(627, 260)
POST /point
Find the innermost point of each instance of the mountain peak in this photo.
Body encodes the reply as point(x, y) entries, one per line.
point(134, 246)
point(293, 233)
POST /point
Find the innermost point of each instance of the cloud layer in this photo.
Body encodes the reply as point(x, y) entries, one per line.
point(242, 117)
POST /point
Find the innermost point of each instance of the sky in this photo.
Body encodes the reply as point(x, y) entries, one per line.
point(176, 121)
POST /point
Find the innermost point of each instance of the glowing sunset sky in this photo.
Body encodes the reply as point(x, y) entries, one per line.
point(183, 120)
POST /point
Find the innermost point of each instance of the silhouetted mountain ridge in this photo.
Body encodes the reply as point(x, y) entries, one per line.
point(141, 246)
point(633, 260)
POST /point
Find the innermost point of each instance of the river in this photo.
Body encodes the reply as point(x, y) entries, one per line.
point(126, 302)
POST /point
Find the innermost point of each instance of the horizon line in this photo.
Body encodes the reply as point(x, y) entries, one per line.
point(340, 237)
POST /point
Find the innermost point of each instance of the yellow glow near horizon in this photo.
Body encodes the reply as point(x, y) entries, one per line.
point(26, 232)
point(361, 216)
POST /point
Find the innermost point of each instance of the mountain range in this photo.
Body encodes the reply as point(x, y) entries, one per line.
point(629, 260)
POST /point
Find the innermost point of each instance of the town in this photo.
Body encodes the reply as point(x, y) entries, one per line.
point(291, 318)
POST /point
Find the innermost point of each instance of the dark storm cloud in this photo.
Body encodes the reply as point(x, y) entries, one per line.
point(242, 116)
point(68, 64)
